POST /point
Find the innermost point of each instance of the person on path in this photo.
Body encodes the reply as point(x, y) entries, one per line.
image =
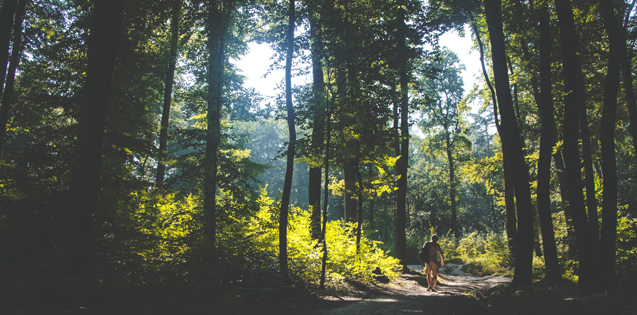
point(431, 265)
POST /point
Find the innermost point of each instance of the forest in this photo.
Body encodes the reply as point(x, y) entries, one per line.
point(139, 174)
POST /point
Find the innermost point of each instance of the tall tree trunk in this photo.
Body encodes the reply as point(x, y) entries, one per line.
point(9, 86)
point(626, 69)
point(349, 174)
point(168, 90)
point(609, 166)
point(452, 189)
point(371, 199)
point(509, 200)
point(218, 18)
point(587, 155)
point(314, 189)
point(6, 24)
point(76, 248)
point(401, 237)
point(572, 104)
point(326, 163)
point(287, 186)
point(359, 225)
point(513, 146)
point(546, 150)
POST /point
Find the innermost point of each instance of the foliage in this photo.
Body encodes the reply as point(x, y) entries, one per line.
point(626, 247)
point(343, 263)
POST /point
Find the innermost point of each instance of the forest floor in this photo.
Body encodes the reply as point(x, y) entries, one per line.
point(462, 293)
point(458, 293)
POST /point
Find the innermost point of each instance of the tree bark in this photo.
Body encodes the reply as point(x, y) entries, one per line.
point(513, 146)
point(587, 155)
point(287, 185)
point(626, 69)
point(452, 188)
point(401, 237)
point(314, 191)
point(359, 225)
point(509, 200)
point(546, 150)
point(9, 86)
point(349, 174)
point(371, 199)
point(609, 166)
point(6, 24)
point(76, 247)
point(572, 103)
point(168, 90)
point(217, 21)
point(326, 163)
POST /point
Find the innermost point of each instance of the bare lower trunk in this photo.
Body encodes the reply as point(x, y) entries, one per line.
point(168, 89)
point(314, 189)
point(9, 86)
point(609, 166)
point(546, 148)
point(287, 186)
point(572, 109)
point(76, 248)
point(513, 146)
point(217, 25)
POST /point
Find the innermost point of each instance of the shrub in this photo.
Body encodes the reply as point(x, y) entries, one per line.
point(305, 254)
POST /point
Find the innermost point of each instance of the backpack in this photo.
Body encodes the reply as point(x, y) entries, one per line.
point(424, 253)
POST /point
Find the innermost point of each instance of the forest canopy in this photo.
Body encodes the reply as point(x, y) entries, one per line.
point(132, 151)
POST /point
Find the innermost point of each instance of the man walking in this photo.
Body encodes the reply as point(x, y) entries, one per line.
point(431, 264)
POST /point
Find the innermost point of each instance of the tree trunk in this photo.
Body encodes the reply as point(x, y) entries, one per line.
point(452, 189)
point(314, 191)
point(349, 174)
point(359, 225)
point(509, 201)
point(9, 86)
point(513, 146)
point(371, 199)
point(626, 69)
point(6, 24)
point(326, 163)
point(217, 25)
point(76, 248)
point(609, 166)
point(168, 90)
point(401, 237)
point(587, 155)
point(287, 186)
point(546, 149)
point(572, 104)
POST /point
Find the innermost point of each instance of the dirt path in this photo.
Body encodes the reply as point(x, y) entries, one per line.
point(457, 293)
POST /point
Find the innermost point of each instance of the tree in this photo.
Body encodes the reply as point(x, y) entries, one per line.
point(445, 109)
point(16, 52)
point(318, 131)
point(512, 145)
point(402, 164)
point(75, 249)
point(607, 243)
point(6, 22)
point(511, 220)
point(546, 148)
point(170, 75)
point(287, 186)
point(218, 18)
point(573, 101)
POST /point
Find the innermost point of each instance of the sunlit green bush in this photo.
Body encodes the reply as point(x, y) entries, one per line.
point(626, 247)
point(305, 254)
point(257, 238)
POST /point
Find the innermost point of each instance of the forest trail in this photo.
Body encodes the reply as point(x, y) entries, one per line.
point(457, 294)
